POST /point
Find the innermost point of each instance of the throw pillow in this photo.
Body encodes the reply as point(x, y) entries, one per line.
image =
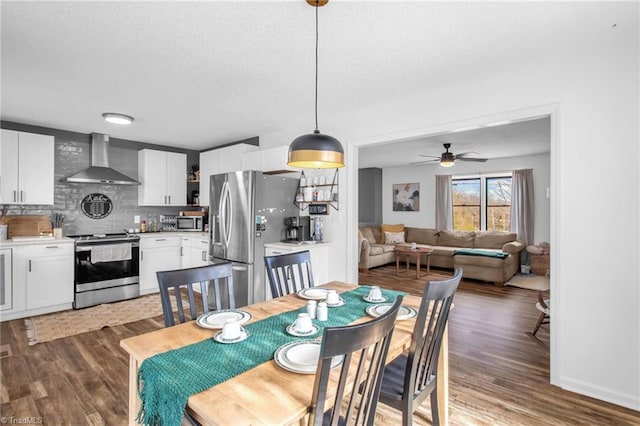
point(392, 228)
point(394, 237)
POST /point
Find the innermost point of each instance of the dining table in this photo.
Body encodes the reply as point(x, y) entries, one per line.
point(265, 394)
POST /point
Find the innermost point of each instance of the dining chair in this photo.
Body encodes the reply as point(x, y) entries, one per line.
point(544, 306)
point(181, 279)
point(289, 273)
point(410, 378)
point(363, 348)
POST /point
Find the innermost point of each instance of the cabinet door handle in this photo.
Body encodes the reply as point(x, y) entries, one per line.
point(169, 197)
point(181, 251)
point(204, 256)
point(141, 255)
point(276, 252)
point(161, 239)
point(52, 247)
point(15, 196)
point(22, 196)
point(29, 265)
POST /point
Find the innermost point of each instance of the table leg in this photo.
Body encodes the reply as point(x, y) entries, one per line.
point(442, 376)
point(418, 266)
point(397, 263)
point(406, 258)
point(134, 400)
point(428, 256)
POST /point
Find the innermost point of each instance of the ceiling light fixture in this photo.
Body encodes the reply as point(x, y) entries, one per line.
point(315, 150)
point(116, 118)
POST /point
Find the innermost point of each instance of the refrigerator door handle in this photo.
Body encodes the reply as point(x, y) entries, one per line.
point(227, 214)
point(239, 268)
point(222, 213)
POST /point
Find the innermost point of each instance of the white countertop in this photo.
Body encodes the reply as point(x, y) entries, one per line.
point(35, 240)
point(289, 245)
point(174, 234)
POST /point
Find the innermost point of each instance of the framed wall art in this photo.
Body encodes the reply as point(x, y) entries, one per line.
point(406, 197)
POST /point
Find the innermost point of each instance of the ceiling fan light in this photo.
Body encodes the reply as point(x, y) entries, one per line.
point(316, 151)
point(117, 118)
point(447, 159)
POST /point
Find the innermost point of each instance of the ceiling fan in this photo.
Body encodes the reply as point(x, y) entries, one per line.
point(447, 159)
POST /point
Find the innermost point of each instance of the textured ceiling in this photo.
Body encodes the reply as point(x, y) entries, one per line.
point(201, 74)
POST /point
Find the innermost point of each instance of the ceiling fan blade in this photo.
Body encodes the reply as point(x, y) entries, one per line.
point(466, 153)
point(430, 156)
point(479, 160)
point(423, 162)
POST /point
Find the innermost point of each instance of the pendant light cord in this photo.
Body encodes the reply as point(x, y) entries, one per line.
point(316, 100)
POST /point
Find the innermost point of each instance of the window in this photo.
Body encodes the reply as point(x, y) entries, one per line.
point(481, 203)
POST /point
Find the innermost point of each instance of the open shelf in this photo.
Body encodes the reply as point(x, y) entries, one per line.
point(331, 187)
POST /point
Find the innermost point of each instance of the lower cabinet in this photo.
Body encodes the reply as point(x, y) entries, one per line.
point(6, 279)
point(40, 279)
point(160, 253)
point(319, 260)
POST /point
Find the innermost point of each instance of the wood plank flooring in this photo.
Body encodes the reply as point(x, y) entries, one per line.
point(499, 375)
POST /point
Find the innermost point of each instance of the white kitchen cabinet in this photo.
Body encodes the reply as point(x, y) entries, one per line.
point(6, 279)
point(163, 178)
point(221, 160)
point(27, 166)
point(161, 253)
point(275, 160)
point(198, 251)
point(319, 253)
point(185, 253)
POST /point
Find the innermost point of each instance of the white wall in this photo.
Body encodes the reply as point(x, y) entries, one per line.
point(425, 175)
point(591, 90)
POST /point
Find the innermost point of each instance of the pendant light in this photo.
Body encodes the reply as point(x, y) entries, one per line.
point(315, 150)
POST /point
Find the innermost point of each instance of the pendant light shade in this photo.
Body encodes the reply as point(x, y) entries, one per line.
point(315, 150)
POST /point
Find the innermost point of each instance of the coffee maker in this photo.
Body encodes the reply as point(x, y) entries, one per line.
point(298, 228)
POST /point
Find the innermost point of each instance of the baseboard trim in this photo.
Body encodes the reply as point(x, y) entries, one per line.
point(601, 393)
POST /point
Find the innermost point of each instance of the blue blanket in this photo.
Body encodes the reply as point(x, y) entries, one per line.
point(480, 252)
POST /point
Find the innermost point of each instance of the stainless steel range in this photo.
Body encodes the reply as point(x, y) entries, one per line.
point(106, 268)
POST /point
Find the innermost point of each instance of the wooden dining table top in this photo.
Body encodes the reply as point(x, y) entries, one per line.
point(266, 394)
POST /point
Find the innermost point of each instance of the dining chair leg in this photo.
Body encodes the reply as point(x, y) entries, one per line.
point(435, 417)
point(539, 323)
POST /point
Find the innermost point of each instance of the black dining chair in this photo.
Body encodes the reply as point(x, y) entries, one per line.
point(410, 378)
point(186, 279)
point(363, 349)
point(289, 273)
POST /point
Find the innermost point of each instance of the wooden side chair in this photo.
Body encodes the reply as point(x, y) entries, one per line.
point(410, 378)
point(365, 344)
point(544, 306)
point(186, 279)
point(289, 273)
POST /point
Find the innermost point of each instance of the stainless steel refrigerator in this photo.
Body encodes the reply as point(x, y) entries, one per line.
point(247, 210)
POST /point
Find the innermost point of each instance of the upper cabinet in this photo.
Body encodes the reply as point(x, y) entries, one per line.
point(222, 160)
point(26, 168)
point(162, 178)
point(269, 160)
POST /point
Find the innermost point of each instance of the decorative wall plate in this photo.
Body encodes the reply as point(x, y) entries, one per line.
point(96, 206)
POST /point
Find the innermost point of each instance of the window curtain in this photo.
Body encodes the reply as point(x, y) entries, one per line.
point(444, 203)
point(522, 208)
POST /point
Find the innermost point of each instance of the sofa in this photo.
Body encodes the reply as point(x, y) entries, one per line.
point(491, 256)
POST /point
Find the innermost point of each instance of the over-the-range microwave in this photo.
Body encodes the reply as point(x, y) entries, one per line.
point(190, 223)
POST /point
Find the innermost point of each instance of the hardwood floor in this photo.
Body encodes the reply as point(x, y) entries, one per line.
point(498, 375)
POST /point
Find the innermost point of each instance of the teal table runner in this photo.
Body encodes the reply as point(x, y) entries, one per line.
point(167, 380)
point(480, 252)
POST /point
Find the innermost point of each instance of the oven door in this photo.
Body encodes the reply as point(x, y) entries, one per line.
point(105, 282)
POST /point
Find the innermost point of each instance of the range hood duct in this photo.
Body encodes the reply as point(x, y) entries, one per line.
point(100, 172)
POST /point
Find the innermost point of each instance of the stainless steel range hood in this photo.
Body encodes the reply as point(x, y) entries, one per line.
point(100, 172)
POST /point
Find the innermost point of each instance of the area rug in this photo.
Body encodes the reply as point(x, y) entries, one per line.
point(529, 281)
point(45, 328)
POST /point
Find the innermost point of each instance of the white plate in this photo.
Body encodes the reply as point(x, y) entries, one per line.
point(366, 299)
point(335, 305)
point(301, 357)
point(292, 331)
point(405, 312)
point(313, 293)
point(218, 337)
point(214, 320)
